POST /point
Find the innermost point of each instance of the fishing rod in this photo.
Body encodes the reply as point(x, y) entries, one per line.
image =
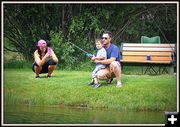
point(87, 54)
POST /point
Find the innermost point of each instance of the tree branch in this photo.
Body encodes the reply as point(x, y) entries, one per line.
point(12, 50)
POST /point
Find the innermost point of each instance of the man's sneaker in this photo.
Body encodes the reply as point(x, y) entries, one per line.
point(119, 84)
point(48, 76)
point(96, 85)
point(37, 76)
point(109, 81)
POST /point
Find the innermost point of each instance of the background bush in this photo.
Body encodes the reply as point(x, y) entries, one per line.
point(59, 24)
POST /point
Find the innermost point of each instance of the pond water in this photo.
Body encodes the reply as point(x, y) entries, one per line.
point(62, 115)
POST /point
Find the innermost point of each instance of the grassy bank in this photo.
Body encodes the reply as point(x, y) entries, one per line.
point(139, 92)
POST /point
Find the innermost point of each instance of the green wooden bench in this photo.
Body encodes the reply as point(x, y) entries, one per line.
point(148, 54)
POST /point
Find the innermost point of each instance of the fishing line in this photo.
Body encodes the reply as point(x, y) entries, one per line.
point(87, 54)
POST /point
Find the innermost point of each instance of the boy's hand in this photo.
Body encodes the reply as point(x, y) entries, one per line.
point(89, 55)
point(93, 58)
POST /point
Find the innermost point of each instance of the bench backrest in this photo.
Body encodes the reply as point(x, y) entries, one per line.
point(137, 52)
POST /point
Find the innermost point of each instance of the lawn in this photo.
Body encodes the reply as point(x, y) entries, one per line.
point(68, 88)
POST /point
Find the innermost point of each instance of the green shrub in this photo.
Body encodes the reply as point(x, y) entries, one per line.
point(16, 64)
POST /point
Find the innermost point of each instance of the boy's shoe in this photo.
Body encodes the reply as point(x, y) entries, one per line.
point(119, 84)
point(37, 76)
point(109, 81)
point(91, 83)
point(96, 85)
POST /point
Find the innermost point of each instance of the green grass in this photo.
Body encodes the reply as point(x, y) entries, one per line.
point(68, 88)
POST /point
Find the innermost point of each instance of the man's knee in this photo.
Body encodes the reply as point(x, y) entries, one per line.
point(100, 76)
point(103, 74)
point(115, 65)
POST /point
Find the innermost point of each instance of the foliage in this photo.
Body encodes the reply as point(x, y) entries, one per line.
point(58, 24)
point(18, 64)
point(15, 60)
point(63, 50)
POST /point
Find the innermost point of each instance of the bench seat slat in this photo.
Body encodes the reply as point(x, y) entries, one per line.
point(149, 45)
point(153, 58)
point(146, 61)
point(147, 49)
point(124, 53)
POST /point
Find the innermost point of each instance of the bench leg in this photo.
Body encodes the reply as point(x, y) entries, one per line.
point(156, 72)
point(146, 70)
point(164, 69)
point(149, 68)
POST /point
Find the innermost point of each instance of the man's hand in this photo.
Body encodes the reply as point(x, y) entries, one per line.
point(96, 61)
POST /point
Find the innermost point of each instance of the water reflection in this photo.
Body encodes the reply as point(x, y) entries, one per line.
point(63, 115)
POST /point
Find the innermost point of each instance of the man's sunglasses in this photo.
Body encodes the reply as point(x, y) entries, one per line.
point(104, 38)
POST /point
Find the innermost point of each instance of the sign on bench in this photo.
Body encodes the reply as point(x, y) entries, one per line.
point(147, 53)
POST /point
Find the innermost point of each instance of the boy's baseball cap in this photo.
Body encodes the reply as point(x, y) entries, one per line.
point(42, 43)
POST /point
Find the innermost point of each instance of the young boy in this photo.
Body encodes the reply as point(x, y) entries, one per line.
point(100, 55)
